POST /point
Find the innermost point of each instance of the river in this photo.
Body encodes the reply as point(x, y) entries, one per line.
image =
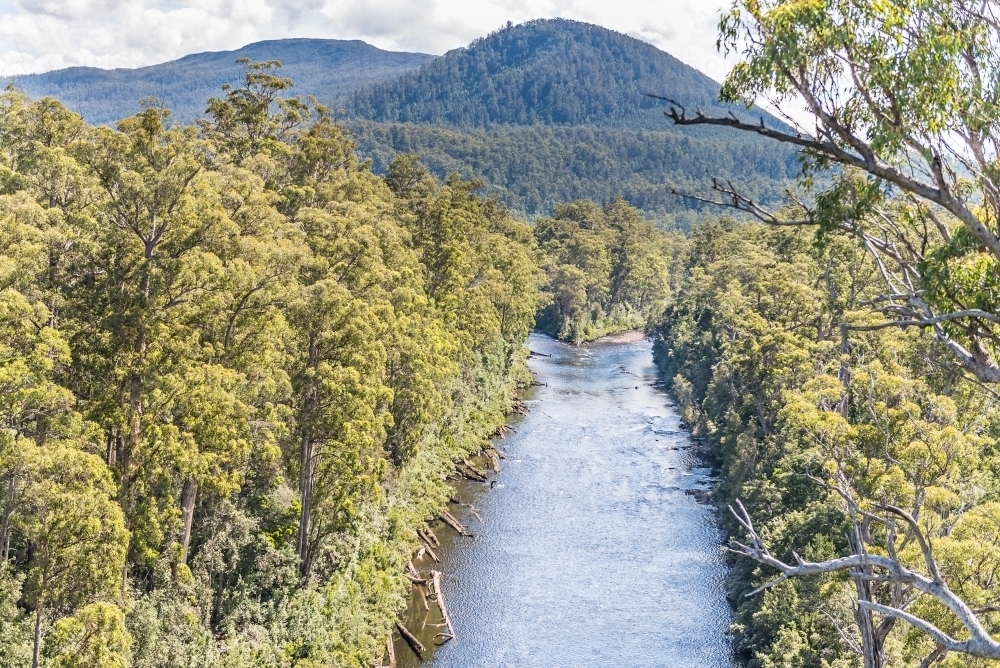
point(594, 550)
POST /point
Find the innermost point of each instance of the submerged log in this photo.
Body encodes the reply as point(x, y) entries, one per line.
point(411, 640)
point(423, 597)
point(416, 581)
point(431, 552)
point(439, 598)
point(476, 513)
point(430, 532)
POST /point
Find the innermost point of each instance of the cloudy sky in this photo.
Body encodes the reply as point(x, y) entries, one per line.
point(41, 35)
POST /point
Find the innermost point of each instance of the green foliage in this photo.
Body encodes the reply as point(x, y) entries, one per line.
point(534, 167)
point(235, 365)
point(608, 270)
point(796, 407)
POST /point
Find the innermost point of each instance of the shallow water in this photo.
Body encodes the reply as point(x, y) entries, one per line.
point(595, 551)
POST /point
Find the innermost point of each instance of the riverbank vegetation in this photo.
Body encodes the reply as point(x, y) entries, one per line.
point(235, 367)
point(840, 356)
point(608, 270)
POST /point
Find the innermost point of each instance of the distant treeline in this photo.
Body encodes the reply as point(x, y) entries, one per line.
point(532, 168)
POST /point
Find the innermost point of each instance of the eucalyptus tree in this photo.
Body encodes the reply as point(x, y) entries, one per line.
point(901, 153)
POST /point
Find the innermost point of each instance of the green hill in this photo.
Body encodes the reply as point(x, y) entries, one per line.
point(556, 110)
point(548, 71)
point(547, 111)
point(326, 68)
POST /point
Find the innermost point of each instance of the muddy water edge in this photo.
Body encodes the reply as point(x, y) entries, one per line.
point(593, 548)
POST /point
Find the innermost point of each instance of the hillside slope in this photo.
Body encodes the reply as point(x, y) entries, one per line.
point(554, 110)
point(548, 71)
point(326, 68)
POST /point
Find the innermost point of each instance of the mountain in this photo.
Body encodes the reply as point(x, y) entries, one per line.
point(546, 111)
point(548, 71)
point(326, 68)
point(554, 110)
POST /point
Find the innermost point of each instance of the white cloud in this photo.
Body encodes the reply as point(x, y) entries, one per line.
point(40, 35)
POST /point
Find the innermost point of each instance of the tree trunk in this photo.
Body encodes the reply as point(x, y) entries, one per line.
point(871, 643)
point(307, 476)
point(36, 651)
point(189, 494)
point(306, 483)
point(8, 512)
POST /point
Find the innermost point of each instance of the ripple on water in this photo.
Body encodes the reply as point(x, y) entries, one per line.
point(594, 553)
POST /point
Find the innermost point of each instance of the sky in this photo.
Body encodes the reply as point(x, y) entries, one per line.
point(42, 35)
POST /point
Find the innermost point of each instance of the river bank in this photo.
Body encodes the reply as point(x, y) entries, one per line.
point(591, 548)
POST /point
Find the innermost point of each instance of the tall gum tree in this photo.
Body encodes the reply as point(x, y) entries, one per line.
point(902, 154)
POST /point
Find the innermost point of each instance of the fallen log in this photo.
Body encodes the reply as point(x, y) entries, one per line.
point(439, 598)
point(411, 640)
point(470, 474)
point(423, 597)
point(472, 469)
point(448, 519)
point(431, 552)
point(430, 532)
point(428, 537)
point(416, 581)
point(499, 452)
point(476, 513)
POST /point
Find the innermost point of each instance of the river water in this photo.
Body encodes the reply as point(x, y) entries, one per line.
point(595, 550)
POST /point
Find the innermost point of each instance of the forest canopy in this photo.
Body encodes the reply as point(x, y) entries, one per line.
point(235, 367)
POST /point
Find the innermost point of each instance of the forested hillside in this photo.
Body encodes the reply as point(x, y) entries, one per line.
point(545, 112)
point(552, 72)
point(324, 68)
point(235, 369)
point(554, 110)
point(533, 168)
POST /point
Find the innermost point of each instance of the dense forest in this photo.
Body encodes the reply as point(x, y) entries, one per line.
point(608, 270)
point(544, 112)
point(565, 164)
point(237, 368)
point(839, 357)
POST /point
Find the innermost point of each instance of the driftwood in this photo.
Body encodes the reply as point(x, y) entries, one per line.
point(439, 599)
point(450, 520)
point(431, 552)
point(469, 473)
point(422, 596)
point(411, 640)
point(421, 551)
point(532, 353)
point(416, 581)
point(391, 651)
point(428, 537)
point(500, 453)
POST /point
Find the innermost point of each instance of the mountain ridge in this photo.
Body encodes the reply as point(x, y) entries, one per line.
point(532, 72)
point(547, 111)
point(326, 68)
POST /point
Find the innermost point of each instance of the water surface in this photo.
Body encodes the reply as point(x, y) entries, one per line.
point(594, 552)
